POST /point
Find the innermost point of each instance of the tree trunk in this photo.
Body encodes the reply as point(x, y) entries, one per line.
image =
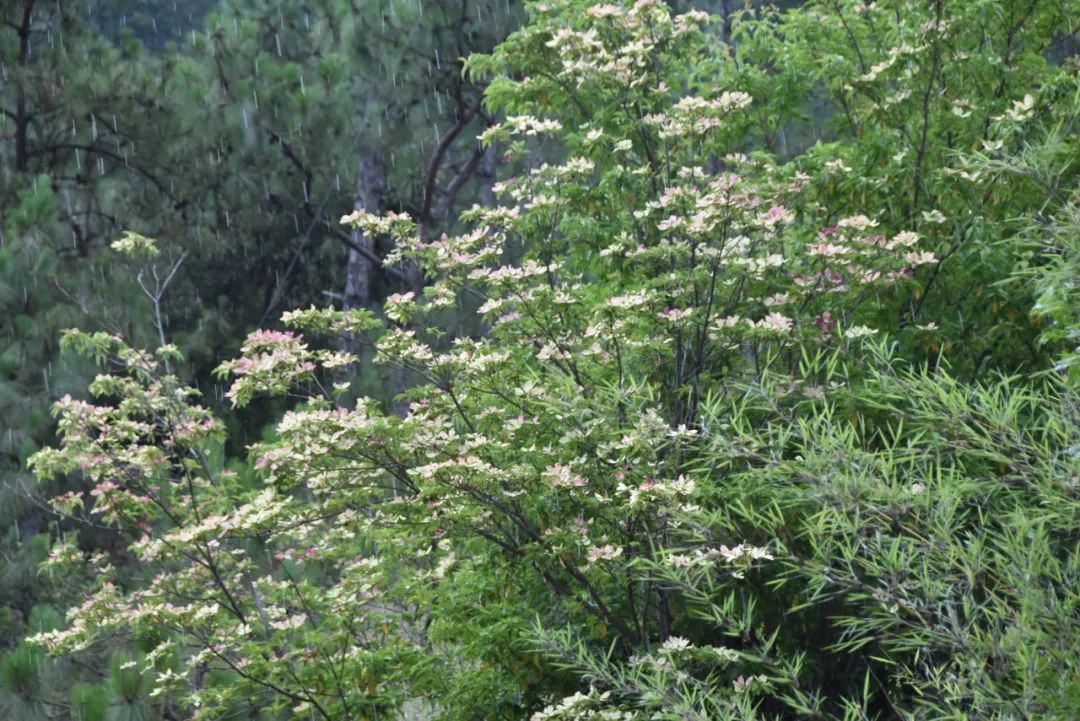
point(22, 119)
point(488, 168)
point(370, 181)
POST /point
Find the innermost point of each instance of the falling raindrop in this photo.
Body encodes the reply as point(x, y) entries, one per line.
point(93, 127)
point(78, 160)
point(302, 91)
point(227, 224)
point(437, 63)
point(153, 23)
point(114, 123)
point(243, 111)
point(277, 42)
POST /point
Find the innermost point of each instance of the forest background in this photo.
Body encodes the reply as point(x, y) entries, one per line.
point(746, 388)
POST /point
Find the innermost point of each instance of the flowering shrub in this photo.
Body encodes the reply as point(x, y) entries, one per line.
point(631, 492)
point(912, 91)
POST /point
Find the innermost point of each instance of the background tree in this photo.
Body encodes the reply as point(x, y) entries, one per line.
point(238, 147)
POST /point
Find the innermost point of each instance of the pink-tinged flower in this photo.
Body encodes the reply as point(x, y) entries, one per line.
point(774, 216)
point(825, 322)
point(920, 258)
point(266, 337)
point(561, 475)
point(674, 315)
point(777, 299)
point(775, 322)
point(605, 10)
point(833, 277)
point(606, 552)
point(669, 223)
point(727, 322)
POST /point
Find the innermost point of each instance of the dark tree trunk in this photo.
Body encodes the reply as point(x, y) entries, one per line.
point(22, 118)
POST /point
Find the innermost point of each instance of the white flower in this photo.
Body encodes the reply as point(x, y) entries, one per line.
point(858, 222)
point(1021, 109)
point(674, 644)
point(904, 239)
point(683, 432)
point(135, 245)
point(859, 331)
